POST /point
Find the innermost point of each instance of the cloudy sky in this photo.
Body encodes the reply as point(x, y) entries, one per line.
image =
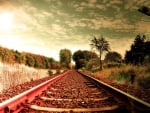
point(46, 26)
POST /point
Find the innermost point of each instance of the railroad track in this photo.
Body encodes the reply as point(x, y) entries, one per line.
point(72, 92)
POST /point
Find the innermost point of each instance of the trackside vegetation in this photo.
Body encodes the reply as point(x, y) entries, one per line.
point(131, 69)
point(19, 67)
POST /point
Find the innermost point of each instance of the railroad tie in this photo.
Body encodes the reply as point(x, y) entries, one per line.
point(107, 108)
point(62, 99)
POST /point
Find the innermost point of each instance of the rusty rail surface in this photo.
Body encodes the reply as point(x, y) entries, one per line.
point(134, 104)
point(15, 103)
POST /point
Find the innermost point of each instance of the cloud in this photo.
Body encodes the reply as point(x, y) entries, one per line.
point(89, 4)
point(135, 4)
point(142, 27)
point(5, 6)
point(96, 24)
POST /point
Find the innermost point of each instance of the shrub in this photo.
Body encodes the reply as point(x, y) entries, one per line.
point(50, 72)
point(57, 71)
point(144, 82)
point(110, 65)
point(123, 76)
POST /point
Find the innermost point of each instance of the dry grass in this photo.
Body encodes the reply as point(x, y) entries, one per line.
point(122, 75)
point(14, 74)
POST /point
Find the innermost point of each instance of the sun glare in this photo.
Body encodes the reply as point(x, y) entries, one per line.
point(6, 21)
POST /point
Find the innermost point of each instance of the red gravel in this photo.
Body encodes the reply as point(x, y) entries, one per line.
point(143, 94)
point(73, 91)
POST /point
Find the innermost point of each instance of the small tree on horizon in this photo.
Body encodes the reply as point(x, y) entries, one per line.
point(82, 57)
point(101, 45)
point(65, 58)
point(113, 57)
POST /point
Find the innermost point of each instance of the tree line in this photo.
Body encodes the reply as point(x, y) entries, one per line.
point(139, 54)
point(29, 59)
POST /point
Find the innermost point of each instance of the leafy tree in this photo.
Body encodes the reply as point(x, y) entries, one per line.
point(137, 52)
point(78, 57)
point(50, 62)
point(7, 55)
point(89, 55)
point(101, 45)
point(37, 61)
point(30, 60)
point(55, 65)
point(65, 57)
point(113, 57)
point(92, 64)
point(17, 56)
point(82, 57)
point(128, 57)
point(41, 62)
point(46, 63)
point(23, 57)
point(147, 52)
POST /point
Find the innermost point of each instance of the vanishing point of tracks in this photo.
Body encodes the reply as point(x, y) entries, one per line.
point(74, 92)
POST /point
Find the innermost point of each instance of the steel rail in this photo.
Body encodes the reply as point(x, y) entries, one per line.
point(15, 103)
point(134, 103)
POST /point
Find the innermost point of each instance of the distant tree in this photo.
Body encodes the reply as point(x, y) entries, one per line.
point(55, 65)
point(82, 57)
point(45, 62)
point(33, 60)
point(101, 45)
point(113, 57)
point(50, 62)
point(30, 60)
point(17, 56)
point(7, 55)
point(65, 57)
point(78, 58)
point(147, 52)
point(93, 64)
point(128, 57)
point(147, 48)
point(39, 61)
point(36, 63)
point(137, 52)
point(23, 58)
point(89, 55)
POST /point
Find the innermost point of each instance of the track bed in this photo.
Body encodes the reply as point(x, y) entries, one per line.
point(74, 93)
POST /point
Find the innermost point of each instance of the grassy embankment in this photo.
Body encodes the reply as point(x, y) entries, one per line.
point(122, 75)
